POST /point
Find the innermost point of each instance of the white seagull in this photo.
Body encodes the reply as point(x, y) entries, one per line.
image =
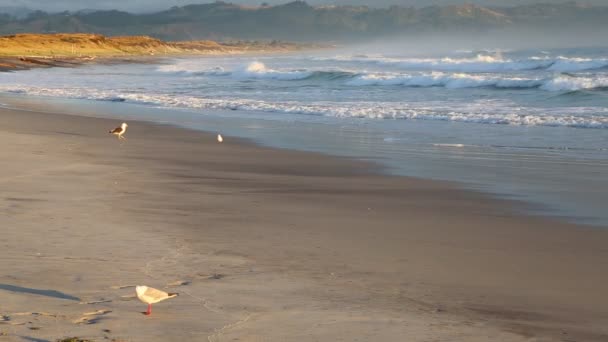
point(119, 131)
point(220, 138)
point(151, 295)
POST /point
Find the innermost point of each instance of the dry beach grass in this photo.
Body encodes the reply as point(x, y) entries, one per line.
point(29, 50)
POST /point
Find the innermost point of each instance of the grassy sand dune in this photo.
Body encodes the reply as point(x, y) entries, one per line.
point(80, 45)
point(24, 51)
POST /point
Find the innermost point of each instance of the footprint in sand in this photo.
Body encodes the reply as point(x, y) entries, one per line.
point(216, 276)
point(120, 287)
point(128, 297)
point(8, 319)
point(91, 317)
point(33, 314)
point(96, 302)
point(179, 283)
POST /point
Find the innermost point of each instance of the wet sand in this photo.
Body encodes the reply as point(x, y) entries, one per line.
point(268, 244)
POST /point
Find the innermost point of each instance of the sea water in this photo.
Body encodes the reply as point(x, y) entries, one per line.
point(530, 125)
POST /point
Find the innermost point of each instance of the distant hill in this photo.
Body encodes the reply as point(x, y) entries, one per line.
point(422, 3)
point(15, 11)
point(300, 21)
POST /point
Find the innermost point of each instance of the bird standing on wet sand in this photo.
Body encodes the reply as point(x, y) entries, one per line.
point(151, 295)
point(119, 131)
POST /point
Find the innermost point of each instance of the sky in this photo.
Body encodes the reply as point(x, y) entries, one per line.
point(153, 5)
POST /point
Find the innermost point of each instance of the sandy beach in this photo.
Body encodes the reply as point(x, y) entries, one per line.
point(270, 245)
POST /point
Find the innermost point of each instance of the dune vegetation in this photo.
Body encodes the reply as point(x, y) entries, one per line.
point(29, 50)
point(95, 45)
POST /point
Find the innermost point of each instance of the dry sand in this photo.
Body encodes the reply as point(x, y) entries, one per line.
point(270, 245)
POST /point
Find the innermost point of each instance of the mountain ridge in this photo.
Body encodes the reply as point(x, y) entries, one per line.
point(297, 20)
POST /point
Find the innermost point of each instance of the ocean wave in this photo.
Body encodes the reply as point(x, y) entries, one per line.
point(255, 70)
point(476, 112)
point(252, 70)
point(436, 79)
point(559, 83)
point(563, 64)
point(519, 147)
point(480, 63)
point(189, 68)
point(258, 70)
point(570, 84)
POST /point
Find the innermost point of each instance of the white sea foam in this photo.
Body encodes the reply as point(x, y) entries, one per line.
point(450, 145)
point(257, 70)
point(453, 80)
point(569, 83)
point(252, 70)
point(480, 63)
point(487, 112)
point(438, 79)
point(190, 68)
point(559, 83)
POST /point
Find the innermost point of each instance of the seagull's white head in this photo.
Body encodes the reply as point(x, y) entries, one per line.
point(140, 289)
point(124, 125)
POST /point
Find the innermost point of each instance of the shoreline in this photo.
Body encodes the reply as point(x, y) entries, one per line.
point(519, 205)
point(14, 63)
point(20, 63)
point(273, 243)
point(10, 64)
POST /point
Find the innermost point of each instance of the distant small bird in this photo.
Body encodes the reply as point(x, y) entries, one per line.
point(220, 138)
point(151, 295)
point(119, 131)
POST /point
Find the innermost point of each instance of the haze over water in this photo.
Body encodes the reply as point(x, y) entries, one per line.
point(526, 124)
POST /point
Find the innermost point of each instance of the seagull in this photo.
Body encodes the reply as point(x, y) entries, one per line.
point(220, 138)
point(151, 295)
point(119, 131)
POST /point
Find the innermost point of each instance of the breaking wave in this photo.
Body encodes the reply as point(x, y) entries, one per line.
point(255, 70)
point(259, 71)
point(569, 84)
point(436, 79)
point(480, 63)
point(560, 83)
point(477, 112)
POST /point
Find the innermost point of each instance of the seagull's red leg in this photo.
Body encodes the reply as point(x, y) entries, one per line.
point(149, 312)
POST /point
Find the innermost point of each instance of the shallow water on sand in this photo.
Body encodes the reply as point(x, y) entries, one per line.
point(566, 183)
